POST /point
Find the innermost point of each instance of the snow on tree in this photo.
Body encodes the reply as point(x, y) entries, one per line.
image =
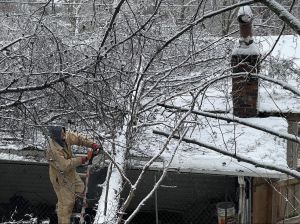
point(113, 69)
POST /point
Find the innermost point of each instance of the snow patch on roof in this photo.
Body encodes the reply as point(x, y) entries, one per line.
point(273, 98)
point(231, 137)
point(252, 49)
point(14, 157)
point(213, 99)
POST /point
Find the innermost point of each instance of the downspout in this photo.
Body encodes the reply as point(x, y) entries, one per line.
point(242, 200)
point(156, 202)
point(249, 200)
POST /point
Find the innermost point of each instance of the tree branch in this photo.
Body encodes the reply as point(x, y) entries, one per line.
point(34, 88)
point(287, 171)
point(283, 14)
point(290, 137)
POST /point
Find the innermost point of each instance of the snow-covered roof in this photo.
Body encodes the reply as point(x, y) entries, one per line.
point(251, 143)
point(213, 99)
point(231, 137)
point(14, 157)
point(273, 98)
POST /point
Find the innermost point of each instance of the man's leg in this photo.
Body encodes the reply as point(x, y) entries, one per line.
point(67, 201)
point(56, 188)
point(79, 185)
point(66, 194)
point(79, 189)
point(59, 212)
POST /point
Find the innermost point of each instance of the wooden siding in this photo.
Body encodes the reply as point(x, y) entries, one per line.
point(287, 196)
point(292, 147)
point(262, 202)
point(275, 201)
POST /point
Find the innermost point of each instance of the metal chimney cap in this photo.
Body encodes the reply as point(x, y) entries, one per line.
point(245, 14)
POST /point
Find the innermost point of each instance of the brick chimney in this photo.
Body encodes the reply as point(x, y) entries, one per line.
point(245, 59)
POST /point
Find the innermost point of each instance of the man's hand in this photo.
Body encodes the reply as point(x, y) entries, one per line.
point(96, 148)
point(84, 160)
point(89, 155)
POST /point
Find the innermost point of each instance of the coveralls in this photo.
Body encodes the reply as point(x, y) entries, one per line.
point(62, 170)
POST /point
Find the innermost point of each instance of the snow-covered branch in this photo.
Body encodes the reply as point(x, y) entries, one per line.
point(283, 14)
point(232, 118)
point(15, 41)
point(283, 84)
point(112, 21)
point(18, 101)
point(36, 87)
point(150, 162)
point(191, 25)
point(242, 158)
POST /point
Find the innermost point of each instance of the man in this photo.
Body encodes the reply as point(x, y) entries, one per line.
point(62, 168)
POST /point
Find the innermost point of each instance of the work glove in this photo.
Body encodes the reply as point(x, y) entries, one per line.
point(89, 155)
point(96, 148)
point(84, 160)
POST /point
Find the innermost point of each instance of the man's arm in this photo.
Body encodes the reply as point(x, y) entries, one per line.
point(57, 159)
point(74, 138)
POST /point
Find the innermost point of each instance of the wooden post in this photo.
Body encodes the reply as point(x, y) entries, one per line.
point(242, 200)
point(262, 201)
point(292, 147)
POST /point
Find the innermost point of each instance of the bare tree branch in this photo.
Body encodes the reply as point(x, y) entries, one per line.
point(34, 88)
point(283, 14)
point(287, 171)
point(232, 118)
point(15, 41)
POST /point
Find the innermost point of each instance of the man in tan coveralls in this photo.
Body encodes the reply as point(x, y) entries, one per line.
point(62, 168)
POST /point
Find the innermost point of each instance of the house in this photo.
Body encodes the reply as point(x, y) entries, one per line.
point(198, 178)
